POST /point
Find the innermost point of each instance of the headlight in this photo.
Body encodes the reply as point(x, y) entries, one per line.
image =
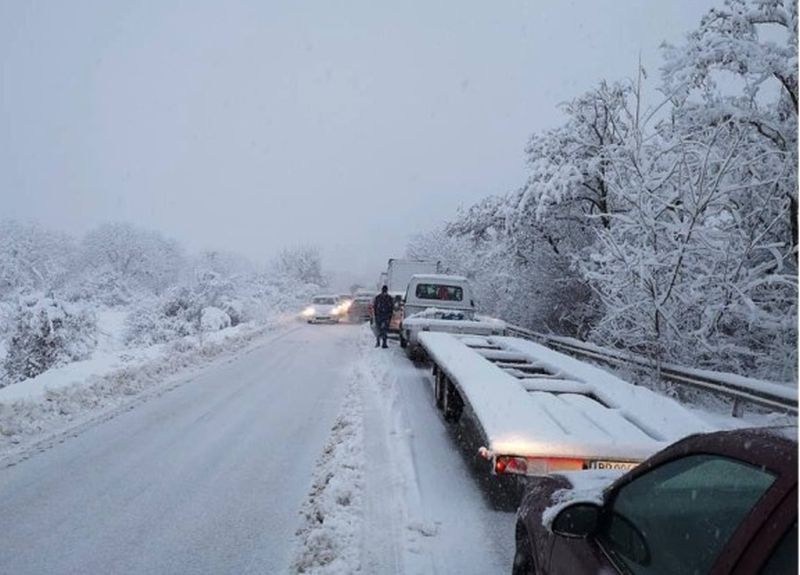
point(308, 312)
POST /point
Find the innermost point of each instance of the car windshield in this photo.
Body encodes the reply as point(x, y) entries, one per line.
point(439, 292)
point(324, 301)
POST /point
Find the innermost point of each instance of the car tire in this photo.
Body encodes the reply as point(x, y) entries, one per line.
point(524, 564)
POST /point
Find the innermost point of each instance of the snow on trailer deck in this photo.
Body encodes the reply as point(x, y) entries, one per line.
point(557, 412)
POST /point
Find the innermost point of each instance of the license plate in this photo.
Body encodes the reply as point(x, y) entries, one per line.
point(625, 465)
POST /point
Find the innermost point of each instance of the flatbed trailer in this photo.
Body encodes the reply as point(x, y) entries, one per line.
point(538, 411)
point(449, 322)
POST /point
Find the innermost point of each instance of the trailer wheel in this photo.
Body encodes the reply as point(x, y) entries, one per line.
point(453, 405)
point(438, 386)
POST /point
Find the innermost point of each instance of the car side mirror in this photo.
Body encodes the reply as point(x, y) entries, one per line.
point(472, 302)
point(577, 521)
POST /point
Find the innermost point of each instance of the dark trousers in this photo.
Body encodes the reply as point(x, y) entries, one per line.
point(381, 330)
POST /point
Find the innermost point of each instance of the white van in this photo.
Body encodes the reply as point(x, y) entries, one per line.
point(439, 291)
point(436, 302)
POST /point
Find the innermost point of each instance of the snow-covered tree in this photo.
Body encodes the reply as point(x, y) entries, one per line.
point(531, 285)
point(302, 264)
point(668, 230)
point(741, 63)
point(570, 166)
point(32, 258)
point(120, 258)
point(47, 332)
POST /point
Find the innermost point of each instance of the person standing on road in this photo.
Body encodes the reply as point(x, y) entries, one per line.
point(384, 307)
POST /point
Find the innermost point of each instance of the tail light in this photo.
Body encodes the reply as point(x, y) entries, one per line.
point(505, 464)
point(535, 465)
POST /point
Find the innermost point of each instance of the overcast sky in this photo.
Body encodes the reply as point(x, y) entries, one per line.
point(254, 125)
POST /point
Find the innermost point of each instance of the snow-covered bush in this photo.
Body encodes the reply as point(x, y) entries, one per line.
point(45, 333)
point(214, 319)
point(105, 286)
point(158, 320)
point(8, 311)
point(234, 308)
point(207, 303)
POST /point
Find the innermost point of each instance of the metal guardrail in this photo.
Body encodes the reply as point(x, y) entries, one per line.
point(773, 396)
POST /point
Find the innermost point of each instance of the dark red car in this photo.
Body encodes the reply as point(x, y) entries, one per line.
point(723, 502)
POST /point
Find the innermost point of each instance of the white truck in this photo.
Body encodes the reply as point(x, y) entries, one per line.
point(444, 303)
point(396, 277)
point(399, 273)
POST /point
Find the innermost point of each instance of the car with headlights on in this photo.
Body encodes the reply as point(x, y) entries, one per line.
point(722, 502)
point(344, 301)
point(323, 309)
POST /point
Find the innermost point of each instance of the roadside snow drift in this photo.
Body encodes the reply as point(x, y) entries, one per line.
point(328, 540)
point(72, 394)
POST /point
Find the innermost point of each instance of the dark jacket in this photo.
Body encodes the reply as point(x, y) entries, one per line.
point(383, 306)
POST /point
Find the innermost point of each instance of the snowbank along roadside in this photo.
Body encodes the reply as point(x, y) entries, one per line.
point(33, 413)
point(364, 513)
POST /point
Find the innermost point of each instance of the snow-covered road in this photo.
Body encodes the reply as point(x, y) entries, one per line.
point(453, 526)
point(412, 504)
point(211, 476)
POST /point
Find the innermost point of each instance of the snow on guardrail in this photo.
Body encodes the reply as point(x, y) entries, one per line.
point(781, 397)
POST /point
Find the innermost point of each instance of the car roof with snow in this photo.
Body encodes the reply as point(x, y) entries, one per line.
point(558, 407)
point(438, 278)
